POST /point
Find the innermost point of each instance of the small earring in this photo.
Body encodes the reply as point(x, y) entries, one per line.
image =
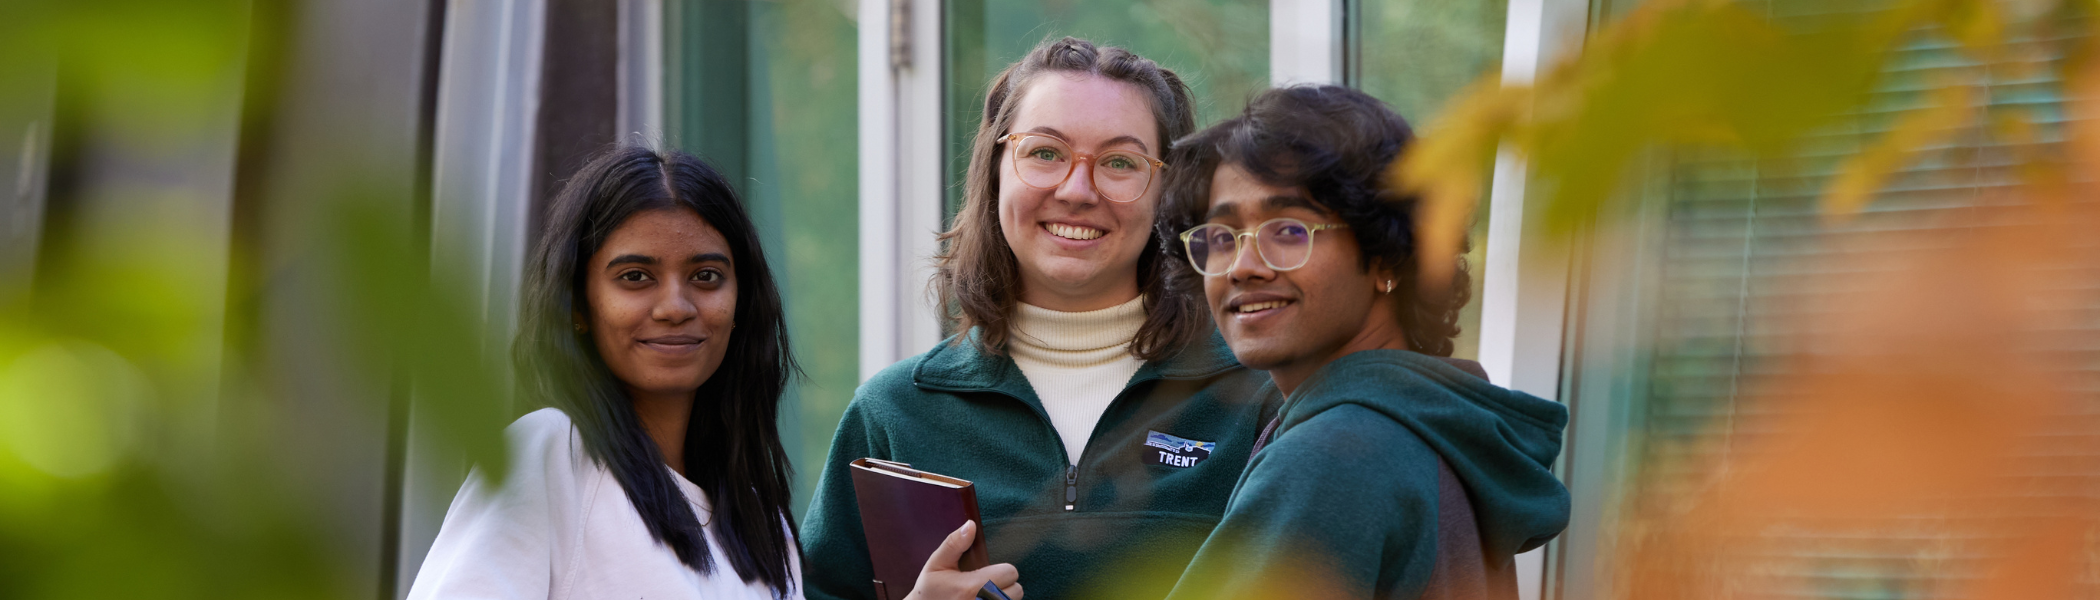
point(1389, 286)
point(579, 327)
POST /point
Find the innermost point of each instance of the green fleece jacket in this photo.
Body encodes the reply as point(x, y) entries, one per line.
point(1354, 494)
point(1121, 520)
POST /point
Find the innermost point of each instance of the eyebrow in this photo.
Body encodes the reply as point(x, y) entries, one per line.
point(1281, 202)
point(630, 259)
point(1274, 203)
point(637, 259)
point(1121, 139)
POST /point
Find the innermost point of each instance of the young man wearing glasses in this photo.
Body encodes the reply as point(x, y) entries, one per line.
point(1392, 471)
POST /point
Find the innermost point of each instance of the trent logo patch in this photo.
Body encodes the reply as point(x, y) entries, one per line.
point(1163, 449)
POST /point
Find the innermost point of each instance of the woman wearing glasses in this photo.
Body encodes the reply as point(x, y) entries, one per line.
point(1097, 412)
point(1392, 471)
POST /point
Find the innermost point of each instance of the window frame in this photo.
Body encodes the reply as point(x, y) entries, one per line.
point(1528, 277)
point(901, 193)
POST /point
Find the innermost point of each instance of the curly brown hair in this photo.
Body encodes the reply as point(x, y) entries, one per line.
point(978, 278)
point(1336, 142)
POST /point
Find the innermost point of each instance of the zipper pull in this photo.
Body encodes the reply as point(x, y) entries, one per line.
point(1071, 486)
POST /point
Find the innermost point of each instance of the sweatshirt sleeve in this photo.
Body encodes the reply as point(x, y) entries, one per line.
point(497, 541)
point(831, 532)
point(1342, 505)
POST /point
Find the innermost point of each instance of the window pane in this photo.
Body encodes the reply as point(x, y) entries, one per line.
point(1751, 265)
point(766, 92)
point(1416, 55)
point(1219, 47)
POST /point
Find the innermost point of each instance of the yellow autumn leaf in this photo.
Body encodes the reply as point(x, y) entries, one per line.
point(1445, 171)
point(1976, 24)
point(1864, 174)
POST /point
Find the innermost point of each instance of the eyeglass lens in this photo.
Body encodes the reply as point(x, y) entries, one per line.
point(1284, 244)
point(1045, 162)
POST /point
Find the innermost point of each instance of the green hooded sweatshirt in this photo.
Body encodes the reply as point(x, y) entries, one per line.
point(1390, 475)
point(1122, 520)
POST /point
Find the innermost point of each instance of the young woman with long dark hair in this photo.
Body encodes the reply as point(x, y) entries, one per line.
point(652, 328)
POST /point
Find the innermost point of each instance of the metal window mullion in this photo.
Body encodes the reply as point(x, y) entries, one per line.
point(1525, 282)
point(1307, 41)
point(641, 104)
point(900, 178)
point(1349, 43)
point(878, 187)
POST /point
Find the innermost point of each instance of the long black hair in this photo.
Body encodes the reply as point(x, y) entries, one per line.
point(732, 443)
point(1338, 143)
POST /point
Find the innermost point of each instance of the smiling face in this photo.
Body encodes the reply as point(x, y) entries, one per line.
point(662, 297)
point(1077, 250)
point(1290, 323)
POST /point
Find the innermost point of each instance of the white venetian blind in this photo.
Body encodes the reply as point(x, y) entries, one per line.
point(1748, 253)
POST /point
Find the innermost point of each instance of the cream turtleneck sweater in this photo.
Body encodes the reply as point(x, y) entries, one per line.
point(1077, 362)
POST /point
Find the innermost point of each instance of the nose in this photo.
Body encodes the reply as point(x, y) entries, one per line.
point(1247, 263)
point(1078, 187)
point(673, 305)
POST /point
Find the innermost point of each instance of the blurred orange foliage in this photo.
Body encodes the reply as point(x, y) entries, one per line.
point(1938, 408)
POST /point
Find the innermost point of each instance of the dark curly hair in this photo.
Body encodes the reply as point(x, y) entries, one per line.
point(1337, 143)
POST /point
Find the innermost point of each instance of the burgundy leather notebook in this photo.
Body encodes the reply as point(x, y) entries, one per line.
point(906, 513)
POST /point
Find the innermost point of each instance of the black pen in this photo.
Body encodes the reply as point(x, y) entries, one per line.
point(991, 591)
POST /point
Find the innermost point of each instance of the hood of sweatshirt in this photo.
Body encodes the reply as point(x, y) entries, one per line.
point(1500, 443)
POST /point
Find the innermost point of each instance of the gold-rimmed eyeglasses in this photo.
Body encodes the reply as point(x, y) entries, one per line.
point(1043, 161)
point(1283, 244)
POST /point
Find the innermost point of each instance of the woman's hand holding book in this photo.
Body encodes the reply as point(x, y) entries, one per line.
point(942, 579)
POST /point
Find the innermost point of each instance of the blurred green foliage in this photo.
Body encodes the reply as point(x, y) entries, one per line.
point(158, 429)
point(1717, 73)
point(147, 65)
point(171, 385)
point(1799, 377)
